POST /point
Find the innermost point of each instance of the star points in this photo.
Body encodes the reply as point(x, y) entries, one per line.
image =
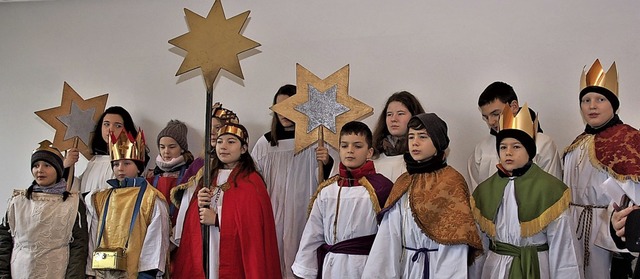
point(213, 43)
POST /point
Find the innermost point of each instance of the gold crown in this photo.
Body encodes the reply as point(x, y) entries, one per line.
point(596, 76)
point(126, 147)
point(521, 122)
point(236, 130)
point(46, 145)
point(225, 115)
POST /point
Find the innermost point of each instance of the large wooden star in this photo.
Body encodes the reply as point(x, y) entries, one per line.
point(321, 112)
point(75, 117)
point(213, 43)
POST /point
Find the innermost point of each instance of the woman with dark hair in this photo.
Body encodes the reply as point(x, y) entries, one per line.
point(98, 170)
point(291, 180)
point(390, 133)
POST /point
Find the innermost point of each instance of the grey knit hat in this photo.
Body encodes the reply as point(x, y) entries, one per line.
point(176, 130)
point(436, 128)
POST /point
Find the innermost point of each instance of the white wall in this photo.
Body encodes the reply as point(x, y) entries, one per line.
point(445, 52)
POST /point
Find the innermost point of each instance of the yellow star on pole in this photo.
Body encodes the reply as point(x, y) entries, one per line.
point(74, 118)
point(213, 43)
point(297, 108)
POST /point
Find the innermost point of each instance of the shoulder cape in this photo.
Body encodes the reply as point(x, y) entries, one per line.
point(615, 150)
point(540, 196)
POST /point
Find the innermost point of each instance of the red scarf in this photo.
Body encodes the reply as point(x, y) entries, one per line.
point(351, 177)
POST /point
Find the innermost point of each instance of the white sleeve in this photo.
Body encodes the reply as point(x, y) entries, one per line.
point(92, 221)
point(156, 241)
point(386, 253)
point(563, 255)
point(306, 262)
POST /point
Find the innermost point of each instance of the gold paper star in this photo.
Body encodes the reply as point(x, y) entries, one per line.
point(306, 82)
point(80, 116)
point(213, 43)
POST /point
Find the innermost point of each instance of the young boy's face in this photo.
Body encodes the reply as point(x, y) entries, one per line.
point(421, 146)
point(596, 109)
point(513, 155)
point(44, 173)
point(354, 151)
point(125, 168)
point(491, 112)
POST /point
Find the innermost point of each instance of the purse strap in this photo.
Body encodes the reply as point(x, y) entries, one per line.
point(136, 210)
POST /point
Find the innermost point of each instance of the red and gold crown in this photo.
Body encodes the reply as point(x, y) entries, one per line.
point(225, 115)
point(596, 76)
point(521, 122)
point(236, 130)
point(126, 147)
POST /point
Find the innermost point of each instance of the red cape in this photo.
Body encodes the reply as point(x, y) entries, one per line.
point(248, 245)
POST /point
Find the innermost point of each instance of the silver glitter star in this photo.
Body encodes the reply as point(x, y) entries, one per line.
point(322, 108)
point(79, 123)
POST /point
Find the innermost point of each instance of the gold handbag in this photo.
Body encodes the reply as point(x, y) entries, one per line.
point(109, 259)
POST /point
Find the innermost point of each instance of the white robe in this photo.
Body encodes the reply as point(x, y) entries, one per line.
point(356, 218)
point(153, 254)
point(214, 232)
point(390, 166)
point(95, 175)
point(388, 258)
point(291, 182)
point(482, 163)
point(588, 188)
point(560, 261)
point(41, 229)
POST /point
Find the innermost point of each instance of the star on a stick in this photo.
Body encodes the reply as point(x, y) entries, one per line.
point(213, 43)
point(321, 104)
point(322, 108)
point(75, 117)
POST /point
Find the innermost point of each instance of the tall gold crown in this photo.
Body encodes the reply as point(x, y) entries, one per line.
point(125, 146)
point(46, 145)
point(225, 115)
point(521, 122)
point(596, 76)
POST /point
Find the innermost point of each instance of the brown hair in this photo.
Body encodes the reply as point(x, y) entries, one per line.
point(381, 131)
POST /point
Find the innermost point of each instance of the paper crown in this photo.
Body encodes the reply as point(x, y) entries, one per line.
point(521, 122)
point(236, 130)
point(46, 145)
point(225, 115)
point(596, 76)
point(126, 147)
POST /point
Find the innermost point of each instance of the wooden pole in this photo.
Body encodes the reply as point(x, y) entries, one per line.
point(320, 164)
point(72, 168)
point(207, 178)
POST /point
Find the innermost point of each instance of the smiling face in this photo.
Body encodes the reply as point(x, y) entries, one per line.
point(44, 173)
point(169, 149)
point(354, 151)
point(229, 148)
point(596, 109)
point(124, 168)
point(397, 118)
point(513, 154)
point(421, 146)
point(111, 123)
